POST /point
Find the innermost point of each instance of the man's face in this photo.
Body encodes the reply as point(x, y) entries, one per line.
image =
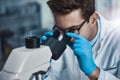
point(71, 21)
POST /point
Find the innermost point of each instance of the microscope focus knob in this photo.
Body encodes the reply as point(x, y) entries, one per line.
point(32, 42)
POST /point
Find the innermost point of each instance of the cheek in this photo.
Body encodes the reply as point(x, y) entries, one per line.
point(83, 33)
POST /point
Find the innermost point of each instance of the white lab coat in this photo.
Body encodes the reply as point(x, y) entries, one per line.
point(106, 54)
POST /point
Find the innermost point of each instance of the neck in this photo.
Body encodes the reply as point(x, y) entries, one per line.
point(94, 30)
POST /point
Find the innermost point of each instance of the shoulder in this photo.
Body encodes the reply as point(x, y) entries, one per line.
point(109, 28)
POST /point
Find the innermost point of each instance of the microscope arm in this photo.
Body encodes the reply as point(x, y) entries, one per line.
point(23, 63)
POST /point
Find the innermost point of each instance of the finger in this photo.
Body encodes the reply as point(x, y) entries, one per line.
point(77, 42)
point(73, 35)
point(77, 37)
point(43, 38)
point(48, 34)
point(81, 42)
point(77, 46)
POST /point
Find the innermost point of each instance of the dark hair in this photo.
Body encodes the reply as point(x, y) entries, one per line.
point(87, 7)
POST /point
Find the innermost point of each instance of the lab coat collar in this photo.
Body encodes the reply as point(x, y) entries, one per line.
point(104, 26)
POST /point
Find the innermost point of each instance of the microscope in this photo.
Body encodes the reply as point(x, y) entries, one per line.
point(31, 61)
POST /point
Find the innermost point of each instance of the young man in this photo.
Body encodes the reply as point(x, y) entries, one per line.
point(93, 52)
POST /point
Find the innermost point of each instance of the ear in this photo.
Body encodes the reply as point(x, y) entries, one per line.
point(93, 18)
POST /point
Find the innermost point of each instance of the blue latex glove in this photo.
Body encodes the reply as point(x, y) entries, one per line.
point(45, 36)
point(83, 50)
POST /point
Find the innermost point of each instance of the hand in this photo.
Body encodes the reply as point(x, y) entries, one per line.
point(45, 36)
point(83, 50)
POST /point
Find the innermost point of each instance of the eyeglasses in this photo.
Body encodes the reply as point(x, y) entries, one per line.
point(71, 29)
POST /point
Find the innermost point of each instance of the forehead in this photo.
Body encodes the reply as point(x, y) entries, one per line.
point(65, 21)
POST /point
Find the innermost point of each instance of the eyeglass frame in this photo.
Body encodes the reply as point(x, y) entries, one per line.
point(71, 29)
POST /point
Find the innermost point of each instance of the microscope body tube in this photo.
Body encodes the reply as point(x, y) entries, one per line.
point(57, 44)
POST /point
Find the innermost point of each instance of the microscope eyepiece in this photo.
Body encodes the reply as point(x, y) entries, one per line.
point(32, 42)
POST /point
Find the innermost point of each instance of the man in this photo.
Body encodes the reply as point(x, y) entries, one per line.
point(94, 50)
